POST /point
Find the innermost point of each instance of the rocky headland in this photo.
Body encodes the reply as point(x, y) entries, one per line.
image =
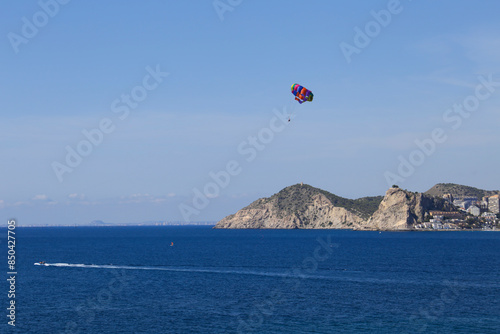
point(305, 207)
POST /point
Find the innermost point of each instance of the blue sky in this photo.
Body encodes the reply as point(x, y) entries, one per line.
point(223, 74)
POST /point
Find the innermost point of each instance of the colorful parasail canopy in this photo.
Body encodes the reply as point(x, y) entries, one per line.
point(302, 94)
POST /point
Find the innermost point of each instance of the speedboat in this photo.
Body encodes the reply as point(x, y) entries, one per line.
point(41, 263)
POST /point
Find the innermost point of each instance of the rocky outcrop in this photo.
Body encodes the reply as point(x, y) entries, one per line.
point(401, 209)
point(305, 207)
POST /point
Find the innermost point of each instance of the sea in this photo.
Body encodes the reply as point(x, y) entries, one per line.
point(196, 279)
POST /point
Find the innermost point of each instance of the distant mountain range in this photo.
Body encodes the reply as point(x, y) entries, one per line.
point(307, 207)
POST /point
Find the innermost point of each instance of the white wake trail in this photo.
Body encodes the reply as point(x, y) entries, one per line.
point(176, 269)
point(340, 276)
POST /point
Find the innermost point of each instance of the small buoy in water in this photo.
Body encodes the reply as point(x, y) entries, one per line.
point(171, 244)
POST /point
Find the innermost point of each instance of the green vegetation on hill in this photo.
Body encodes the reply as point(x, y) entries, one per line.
point(458, 190)
point(366, 206)
point(298, 197)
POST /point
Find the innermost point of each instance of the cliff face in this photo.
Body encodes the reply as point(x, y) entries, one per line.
point(299, 206)
point(401, 209)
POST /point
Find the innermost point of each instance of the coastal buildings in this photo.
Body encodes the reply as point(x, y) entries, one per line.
point(436, 226)
point(472, 213)
point(474, 210)
point(489, 216)
point(473, 204)
point(494, 204)
point(445, 214)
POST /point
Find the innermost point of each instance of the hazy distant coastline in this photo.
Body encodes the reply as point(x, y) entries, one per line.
point(148, 223)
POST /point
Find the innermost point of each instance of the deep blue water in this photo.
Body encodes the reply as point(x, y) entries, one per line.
point(130, 280)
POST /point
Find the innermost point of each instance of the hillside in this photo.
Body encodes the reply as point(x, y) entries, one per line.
point(458, 190)
point(303, 206)
point(297, 197)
